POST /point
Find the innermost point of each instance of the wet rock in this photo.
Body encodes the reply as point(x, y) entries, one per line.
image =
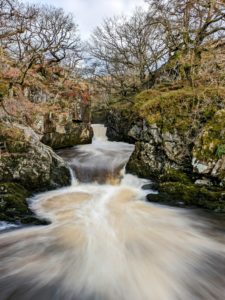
point(171, 140)
point(209, 149)
point(29, 162)
point(13, 205)
point(203, 182)
point(68, 136)
point(119, 123)
point(61, 130)
point(186, 195)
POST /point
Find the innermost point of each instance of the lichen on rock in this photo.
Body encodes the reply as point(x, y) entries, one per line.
point(178, 132)
point(25, 160)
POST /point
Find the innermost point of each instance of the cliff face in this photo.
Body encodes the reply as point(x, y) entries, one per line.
point(47, 112)
point(65, 127)
point(178, 134)
point(26, 166)
point(119, 122)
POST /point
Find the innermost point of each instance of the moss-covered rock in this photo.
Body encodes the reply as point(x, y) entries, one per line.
point(68, 136)
point(176, 109)
point(209, 149)
point(62, 129)
point(180, 194)
point(119, 121)
point(174, 175)
point(13, 205)
point(26, 161)
point(179, 137)
point(145, 162)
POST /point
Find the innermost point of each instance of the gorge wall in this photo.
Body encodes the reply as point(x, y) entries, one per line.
point(44, 114)
point(179, 141)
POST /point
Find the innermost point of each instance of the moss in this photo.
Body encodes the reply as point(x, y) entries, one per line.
point(210, 145)
point(174, 175)
point(179, 109)
point(4, 87)
point(180, 194)
point(220, 150)
point(9, 133)
point(17, 146)
point(13, 197)
point(13, 205)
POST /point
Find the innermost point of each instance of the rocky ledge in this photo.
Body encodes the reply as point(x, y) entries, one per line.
point(26, 166)
point(178, 135)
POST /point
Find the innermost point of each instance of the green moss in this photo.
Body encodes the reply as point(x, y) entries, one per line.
point(179, 109)
point(173, 175)
point(3, 89)
point(13, 196)
point(17, 146)
point(13, 201)
point(210, 145)
point(220, 150)
point(180, 194)
point(13, 205)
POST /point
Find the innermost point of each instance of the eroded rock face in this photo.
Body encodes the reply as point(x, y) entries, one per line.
point(156, 151)
point(25, 160)
point(170, 156)
point(209, 149)
point(119, 123)
point(61, 129)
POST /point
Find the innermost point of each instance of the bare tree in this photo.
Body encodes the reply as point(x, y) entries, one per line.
point(13, 18)
point(49, 36)
point(188, 26)
point(127, 51)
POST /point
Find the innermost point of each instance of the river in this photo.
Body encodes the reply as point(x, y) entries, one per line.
point(105, 242)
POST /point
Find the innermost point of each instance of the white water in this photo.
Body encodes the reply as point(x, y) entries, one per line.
point(99, 132)
point(106, 243)
point(6, 225)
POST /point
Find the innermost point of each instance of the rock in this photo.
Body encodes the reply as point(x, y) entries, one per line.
point(68, 136)
point(186, 195)
point(177, 140)
point(13, 205)
point(146, 187)
point(29, 162)
point(144, 161)
point(118, 123)
point(209, 149)
point(203, 182)
point(61, 130)
point(174, 175)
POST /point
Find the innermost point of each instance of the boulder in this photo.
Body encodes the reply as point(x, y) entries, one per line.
point(26, 161)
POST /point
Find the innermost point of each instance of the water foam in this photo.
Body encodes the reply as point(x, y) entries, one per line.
point(105, 243)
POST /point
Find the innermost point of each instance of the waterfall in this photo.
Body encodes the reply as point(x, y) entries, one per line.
point(105, 242)
point(99, 132)
point(73, 177)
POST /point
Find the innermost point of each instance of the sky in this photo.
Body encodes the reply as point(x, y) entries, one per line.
point(90, 13)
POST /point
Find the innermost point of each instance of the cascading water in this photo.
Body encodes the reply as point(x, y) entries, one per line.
point(100, 162)
point(106, 243)
point(99, 132)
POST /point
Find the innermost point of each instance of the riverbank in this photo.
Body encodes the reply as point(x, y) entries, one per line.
point(49, 111)
point(179, 143)
point(102, 230)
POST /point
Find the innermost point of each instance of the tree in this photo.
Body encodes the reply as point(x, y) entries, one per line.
point(188, 27)
point(13, 18)
point(127, 51)
point(43, 36)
